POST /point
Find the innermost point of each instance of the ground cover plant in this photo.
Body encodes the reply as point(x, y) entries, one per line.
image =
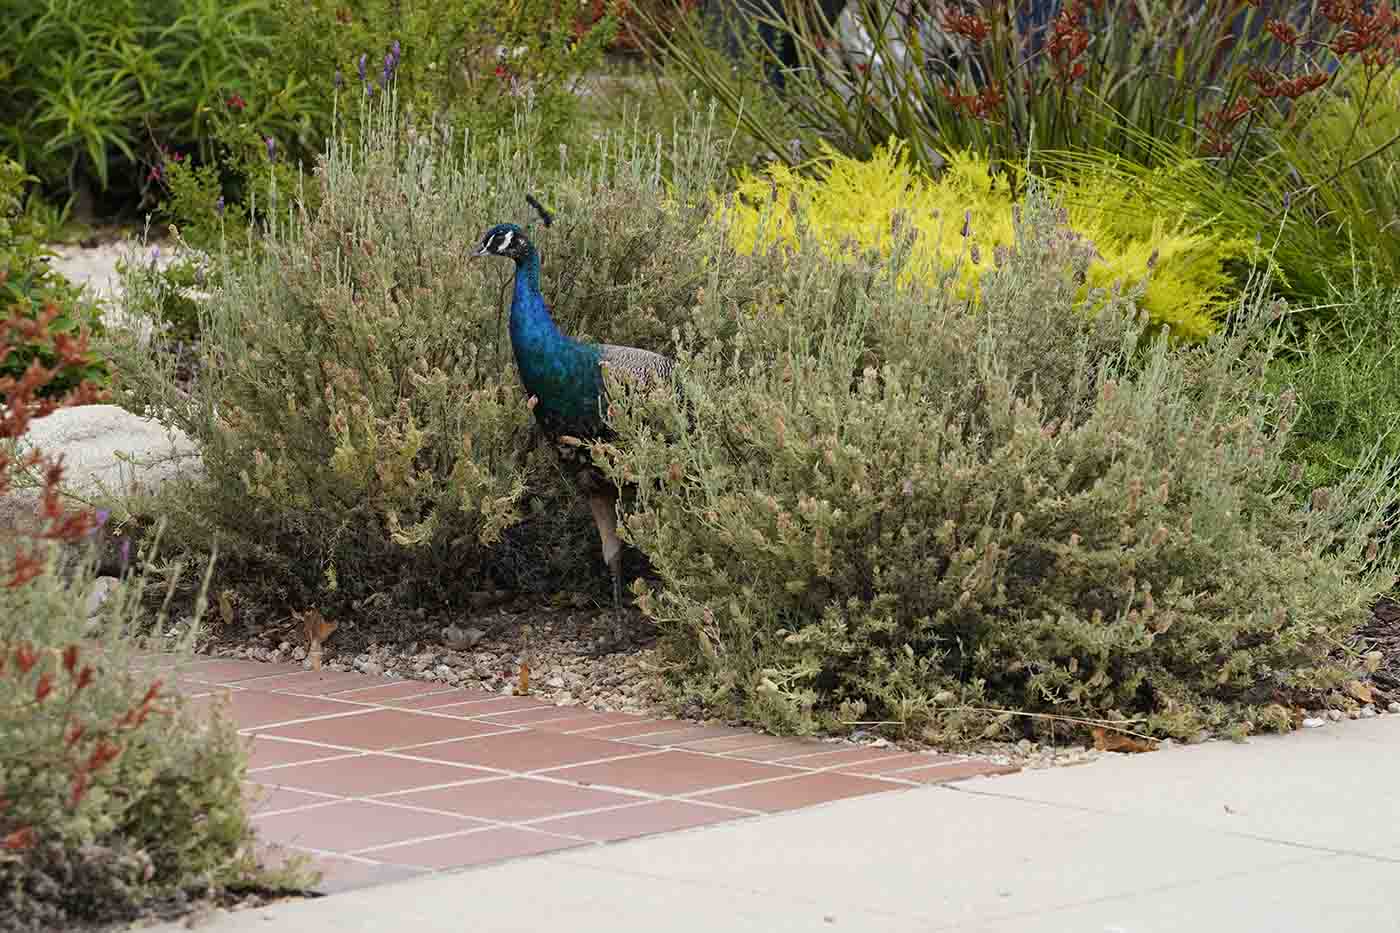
point(29, 288)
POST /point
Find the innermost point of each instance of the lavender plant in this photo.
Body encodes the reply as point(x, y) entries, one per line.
point(882, 505)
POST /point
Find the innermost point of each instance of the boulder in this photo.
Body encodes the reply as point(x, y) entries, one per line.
point(108, 452)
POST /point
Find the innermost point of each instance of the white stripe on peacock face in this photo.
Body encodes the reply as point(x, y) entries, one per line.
point(503, 240)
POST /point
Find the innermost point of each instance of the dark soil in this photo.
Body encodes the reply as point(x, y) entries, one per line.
point(1382, 634)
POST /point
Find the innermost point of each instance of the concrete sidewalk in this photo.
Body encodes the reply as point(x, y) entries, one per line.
point(1294, 833)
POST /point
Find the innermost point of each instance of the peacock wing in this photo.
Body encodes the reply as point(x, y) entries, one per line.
point(642, 365)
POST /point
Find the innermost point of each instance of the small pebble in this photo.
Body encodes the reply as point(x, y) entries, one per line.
point(1312, 722)
point(1368, 712)
point(1335, 715)
point(1394, 706)
point(1353, 714)
point(101, 589)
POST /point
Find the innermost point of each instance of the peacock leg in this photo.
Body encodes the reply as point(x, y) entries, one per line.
point(604, 508)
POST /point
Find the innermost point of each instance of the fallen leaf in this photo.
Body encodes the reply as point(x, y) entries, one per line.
point(315, 630)
point(226, 606)
point(522, 687)
point(1107, 741)
point(1361, 691)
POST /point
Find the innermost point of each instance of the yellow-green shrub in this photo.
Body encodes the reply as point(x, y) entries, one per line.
point(963, 217)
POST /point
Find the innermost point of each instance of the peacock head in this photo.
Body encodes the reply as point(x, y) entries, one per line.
point(504, 240)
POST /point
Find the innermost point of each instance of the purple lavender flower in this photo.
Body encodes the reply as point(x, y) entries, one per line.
point(155, 256)
point(362, 66)
point(339, 81)
point(396, 50)
point(388, 67)
point(271, 148)
point(369, 89)
point(101, 519)
point(126, 552)
point(219, 206)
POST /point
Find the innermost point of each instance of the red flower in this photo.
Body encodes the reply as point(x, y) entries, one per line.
point(20, 839)
point(236, 102)
point(1282, 31)
point(80, 784)
point(1271, 84)
point(44, 687)
point(967, 25)
point(25, 658)
point(1067, 41)
point(102, 754)
point(70, 658)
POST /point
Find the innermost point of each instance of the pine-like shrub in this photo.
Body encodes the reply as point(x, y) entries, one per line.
point(964, 216)
point(881, 503)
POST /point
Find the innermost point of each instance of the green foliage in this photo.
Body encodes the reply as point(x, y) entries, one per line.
point(470, 64)
point(986, 78)
point(28, 286)
point(1345, 198)
point(1323, 198)
point(169, 294)
point(116, 793)
point(98, 92)
point(879, 504)
point(1348, 385)
point(964, 217)
point(111, 793)
point(357, 407)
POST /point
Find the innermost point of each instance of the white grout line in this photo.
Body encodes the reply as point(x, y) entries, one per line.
point(470, 832)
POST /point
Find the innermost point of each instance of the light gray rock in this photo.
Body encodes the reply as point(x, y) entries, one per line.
point(1312, 722)
point(107, 451)
point(102, 587)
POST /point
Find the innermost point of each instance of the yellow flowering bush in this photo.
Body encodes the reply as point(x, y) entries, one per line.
point(961, 219)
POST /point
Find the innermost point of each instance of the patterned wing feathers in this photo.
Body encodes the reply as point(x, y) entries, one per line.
point(642, 365)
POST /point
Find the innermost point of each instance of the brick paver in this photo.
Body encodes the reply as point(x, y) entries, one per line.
point(381, 779)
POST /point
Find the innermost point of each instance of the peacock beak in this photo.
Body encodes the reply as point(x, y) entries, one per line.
point(478, 252)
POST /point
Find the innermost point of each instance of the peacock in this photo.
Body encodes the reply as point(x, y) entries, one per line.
point(563, 378)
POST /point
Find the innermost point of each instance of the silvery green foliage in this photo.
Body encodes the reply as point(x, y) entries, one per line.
point(880, 505)
point(357, 407)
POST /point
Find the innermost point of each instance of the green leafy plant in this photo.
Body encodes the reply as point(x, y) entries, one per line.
point(111, 793)
point(1001, 78)
point(1348, 385)
point(946, 517)
point(29, 288)
point(100, 91)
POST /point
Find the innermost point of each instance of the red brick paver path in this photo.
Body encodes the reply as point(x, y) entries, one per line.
point(381, 779)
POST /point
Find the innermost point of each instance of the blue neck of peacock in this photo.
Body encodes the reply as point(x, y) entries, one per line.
point(532, 329)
